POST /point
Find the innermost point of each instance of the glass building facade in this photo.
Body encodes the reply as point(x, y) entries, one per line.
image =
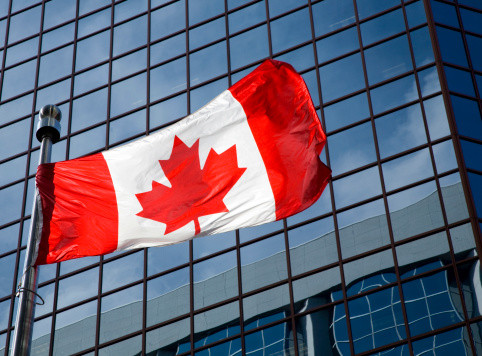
point(385, 263)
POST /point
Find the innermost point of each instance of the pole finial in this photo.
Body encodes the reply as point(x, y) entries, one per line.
point(49, 123)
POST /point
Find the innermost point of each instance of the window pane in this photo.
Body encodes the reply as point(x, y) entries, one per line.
point(471, 20)
point(475, 50)
point(93, 23)
point(451, 46)
point(14, 139)
point(21, 51)
point(332, 15)
point(415, 211)
point(394, 94)
point(444, 13)
point(168, 111)
point(337, 45)
point(290, 30)
point(168, 79)
point(58, 11)
point(160, 259)
point(357, 187)
point(167, 20)
point(170, 339)
point(18, 79)
point(312, 246)
point(200, 10)
point(454, 198)
point(206, 245)
point(382, 27)
point(388, 60)
point(128, 94)
point(370, 7)
point(215, 279)
point(467, 117)
point(407, 169)
point(341, 77)
point(249, 47)
point(128, 9)
point(363, 228)
point(127, 126)
point(247, 17)
point(122, 271)
point(444, 155)
point(400, 131)
point(75, 329)
point(415, 14)
point(78, 287)
point(207, 33)
point(55, 65)
point(436, 117)
point(346, 112)
point(263, 263)
point(24, 24)
point(168, 49)
point(87, 142)
point(422, 46)
point(203, 95)
point(208, 63)
point(89, 110)
point(167, 297)
point(92, 50)
point(91, 79)
point(130, 35)
point(351, 148)
point(121, 313)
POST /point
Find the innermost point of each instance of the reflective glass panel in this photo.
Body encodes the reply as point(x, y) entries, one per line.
point(168, 79)
point(127, 126)
point(128, 94)
point(337, 45)
point(127, 347)
point(91, 79)
point(444, 155)
point(266, 307)
point(382, 27)
point(87, 142)
point(415, 210)
point(171, 339)
point(454, 198)
point(168, 111)
point(250, 233)
point(203, 95)
point(167, 20)
point(269, 341)
point(471, 20)
point(247, 17)
point(204, 246)
point(357, 187)
point(351, 148)
point(393, 94)
point(312, 246)
point(248, 47)
point(388, 59)
point(121, 313)
point(451, 46)
point(21, 51)
point(24, 24)
point(160, 259)
point(436, 117)
point(422, 46)
point(122, 271)
point(89, 110)
point(216, 324)
point(168, 48)
point(128, 9)
point(429, 81)
point(9, 238)
point(167, 297)
point(290, 30)
point(444, 13)
point(356, 272)
point(18, 79)
point(263, 263)
point(75, 329)
point(208, 63)
point(7, 265)
point(415, 14)
point(363, 228)
point(407, 169)
point(475, 50)
point(78, 287)
point(332, 15)
point(467, 117)
point(207, 33)
point(346, 112)
point(341, 77)
point(200, 10)
point(301, 58)
point(129, 64)
point(92, 50)
point(93, 23)
point(58, 11)
point(370, 7)
point(459, 81)
point(215, 279)
point(130, 35)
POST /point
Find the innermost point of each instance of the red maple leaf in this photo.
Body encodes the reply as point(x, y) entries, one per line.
point(194, 191)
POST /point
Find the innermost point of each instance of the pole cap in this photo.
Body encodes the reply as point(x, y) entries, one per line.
point(49, 123)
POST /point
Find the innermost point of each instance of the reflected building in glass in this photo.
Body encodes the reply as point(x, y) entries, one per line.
point(385, 263)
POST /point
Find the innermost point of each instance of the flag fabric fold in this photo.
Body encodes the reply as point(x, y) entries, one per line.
point(248, 157)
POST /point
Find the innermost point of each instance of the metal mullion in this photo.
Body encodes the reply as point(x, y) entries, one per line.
point(453, 129)
point(291, 318)
point(72, 83)
point(148, 90)
point(382, 182)
point(240, 286)
point(268, 27)
point(439, 190)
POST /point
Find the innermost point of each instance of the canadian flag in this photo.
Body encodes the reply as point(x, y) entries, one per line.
point(248, 157)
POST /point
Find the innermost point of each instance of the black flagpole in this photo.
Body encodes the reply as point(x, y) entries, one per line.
point(48, 132)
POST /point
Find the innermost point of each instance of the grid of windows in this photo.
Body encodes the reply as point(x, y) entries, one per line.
point(385, 263)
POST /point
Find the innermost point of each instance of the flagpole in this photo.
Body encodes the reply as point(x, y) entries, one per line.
point(48, 132)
